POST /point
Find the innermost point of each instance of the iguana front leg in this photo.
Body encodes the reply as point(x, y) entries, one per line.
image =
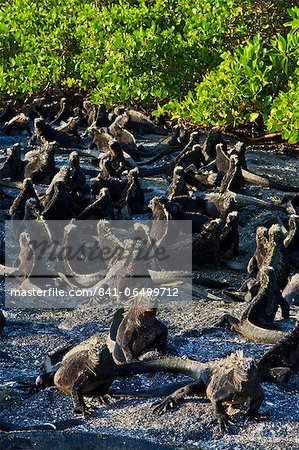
point(127, 347)
point(255, 403)
point(77, 394)
point(161, 340)
point(170, 401)
point(223, 419)
point(285, 307)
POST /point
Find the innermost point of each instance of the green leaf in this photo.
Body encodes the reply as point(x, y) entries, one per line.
point(254, 116)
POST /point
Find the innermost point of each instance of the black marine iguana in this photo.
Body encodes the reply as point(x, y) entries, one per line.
point(40, 163)
point(228, 381)
point(45, 133)
point(17, 209)
point(281, 361)
point(257, 320)
point(222, 162)
point(137, 332)
point(17, 124)
point(89, 369)
point(13, 166)
point(86, 369)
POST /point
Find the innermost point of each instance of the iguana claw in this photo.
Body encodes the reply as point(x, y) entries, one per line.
point(105, 399)
point(163, 406)
point(224, 423)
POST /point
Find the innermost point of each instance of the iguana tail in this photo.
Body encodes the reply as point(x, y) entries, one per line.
point(168, 364)
point(245, 200)
point(258, 334)
point(268, 183)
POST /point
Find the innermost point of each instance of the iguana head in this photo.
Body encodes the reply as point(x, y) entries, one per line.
point(241, 369)
point(232, 218)
point(261, 237)
point(74, 160)
point(178, 171)
point(99, 353)
point(40, 124)
point(276, 236)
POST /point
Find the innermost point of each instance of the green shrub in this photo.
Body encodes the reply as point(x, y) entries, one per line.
point(284, 116)
point(245, 84)
point(145, 51)
point(198, 60)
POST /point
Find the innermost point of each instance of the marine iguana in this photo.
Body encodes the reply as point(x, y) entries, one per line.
point(40, 163)
point(113, 162)
point(206, 245)
point(191, 157)
point(60, 205)
point(87, 369)
point(291, 242)
point(164, 209)
point(222, 165)
point(167, 145)
point(90, 112)
point(140, 124)
point(45, 110)
point(17, 209)
point(229, 237)
point(253, 267)
point(101, 208)
point(17, 124)
point(65, 174)
point(270, 251)
point(228, 381)
point(64, 112)
point(219, 204)
point(233, 180)
point(78, 179)
point(115, 270)
point(259, 255)
point(13, 166)
point(125, 139)
point(26, 260)
point(133, 195)
point(45, 133)
point(151, 171)
point(138, 332)
point(209, 148)
point(71, 127)
point(86, 280)
point(100, 139)
point(115, 186)
point(178, 184)
point(256, 323)
point(276, 256)
point(191, 153)
point(281, 361)
point(102, 120)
